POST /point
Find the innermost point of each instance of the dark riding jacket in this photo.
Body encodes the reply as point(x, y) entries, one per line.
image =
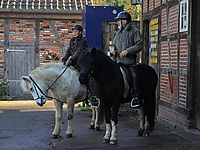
point(76, 46)
point(128, 39)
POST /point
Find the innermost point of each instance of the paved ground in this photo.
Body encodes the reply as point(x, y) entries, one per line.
point(25, 125)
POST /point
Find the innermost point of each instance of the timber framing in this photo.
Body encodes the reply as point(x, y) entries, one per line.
point(41, 15)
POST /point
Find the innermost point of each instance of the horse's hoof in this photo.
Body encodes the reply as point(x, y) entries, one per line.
point(106, 141)
point(97, 128)
point(140, 133)
point(113, 142)
point(146, 134)
point(68, 135)
point(91, 127)
point(55, 136)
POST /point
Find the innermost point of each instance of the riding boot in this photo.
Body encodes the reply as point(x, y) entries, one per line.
point(93, 99)
point(135, 102)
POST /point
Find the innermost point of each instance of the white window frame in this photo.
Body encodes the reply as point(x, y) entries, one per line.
point(184, 15)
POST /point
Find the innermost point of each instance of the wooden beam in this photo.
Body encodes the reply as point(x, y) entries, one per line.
point(57, 37)
point(6, 44)
point(37, 42)
point(42, 15)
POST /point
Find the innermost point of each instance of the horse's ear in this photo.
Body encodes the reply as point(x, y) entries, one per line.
point(94, 51)
point(26, 78)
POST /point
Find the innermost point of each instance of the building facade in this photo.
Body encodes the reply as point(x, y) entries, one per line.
point(170, 31)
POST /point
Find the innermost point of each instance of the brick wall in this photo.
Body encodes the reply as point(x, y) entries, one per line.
point(183, 66)
point(183, 53)
point(174, 53)
point(151, 5)
point(163, 1)
point(173, 19)
point(157, 3)
point(164, 22)
point(179, 62)
point(145, 3)
point(173, 115)
point(164, 87)
point(24, 31)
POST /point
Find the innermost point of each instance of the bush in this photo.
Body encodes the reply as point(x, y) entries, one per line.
point(4, 88)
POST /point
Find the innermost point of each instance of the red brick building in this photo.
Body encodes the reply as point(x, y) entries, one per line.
point(171, 38)
point(34, 32)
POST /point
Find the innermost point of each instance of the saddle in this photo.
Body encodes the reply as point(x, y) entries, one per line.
point(128, 70)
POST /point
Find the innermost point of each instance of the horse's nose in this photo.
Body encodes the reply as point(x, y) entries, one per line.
point(40, 104)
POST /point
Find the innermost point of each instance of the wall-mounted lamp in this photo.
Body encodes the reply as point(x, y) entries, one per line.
point(136, 2)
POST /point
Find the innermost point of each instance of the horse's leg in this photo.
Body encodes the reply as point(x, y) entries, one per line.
point(146, 131)
point(92, 124)
point(97, 119)
point(142, 121)
point(70, 117)
point(114, 121)
point(107, 114)
point(58, 118)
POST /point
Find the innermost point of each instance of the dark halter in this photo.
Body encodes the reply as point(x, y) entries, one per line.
point(45, 94)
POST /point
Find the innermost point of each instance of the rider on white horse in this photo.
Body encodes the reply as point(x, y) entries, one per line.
point(77, 44)
point(128, 42)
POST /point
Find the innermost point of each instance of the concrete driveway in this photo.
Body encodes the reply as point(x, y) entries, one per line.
point(25, 125)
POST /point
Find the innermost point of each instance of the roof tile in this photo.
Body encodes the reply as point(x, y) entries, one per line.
point(58, 5)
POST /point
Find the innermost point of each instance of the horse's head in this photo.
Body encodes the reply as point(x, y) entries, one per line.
point(28, 84)
point(87, 64)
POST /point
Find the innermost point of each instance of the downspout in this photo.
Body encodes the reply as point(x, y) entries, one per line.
point(169, 55)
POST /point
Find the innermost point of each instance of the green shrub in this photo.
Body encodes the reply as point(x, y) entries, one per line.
point(4, 88)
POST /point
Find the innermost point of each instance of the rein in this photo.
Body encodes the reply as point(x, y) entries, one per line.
point(107, 77)
point(45, 94)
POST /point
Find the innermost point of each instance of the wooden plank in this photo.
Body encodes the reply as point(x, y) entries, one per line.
point(37, 42)
point(6, 43)
point(57, 37)
point(33, 44)
point(44, 15)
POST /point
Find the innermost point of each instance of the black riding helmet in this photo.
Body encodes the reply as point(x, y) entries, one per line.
point(124, 16)
point(77, 27)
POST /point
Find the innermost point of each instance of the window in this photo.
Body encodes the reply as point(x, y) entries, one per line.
point(183, 15)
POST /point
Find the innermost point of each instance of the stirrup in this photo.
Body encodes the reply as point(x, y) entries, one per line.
point(97, 100)
point(134, 106)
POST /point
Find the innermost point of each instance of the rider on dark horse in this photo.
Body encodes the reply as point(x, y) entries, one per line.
point(127, 43)
point(76, 46)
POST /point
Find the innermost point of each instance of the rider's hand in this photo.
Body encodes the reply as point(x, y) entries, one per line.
point(64, 59)
point(123, 53)
point(112, 51)
point(70, 62)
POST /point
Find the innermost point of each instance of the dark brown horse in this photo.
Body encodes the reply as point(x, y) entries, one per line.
point(110, 88)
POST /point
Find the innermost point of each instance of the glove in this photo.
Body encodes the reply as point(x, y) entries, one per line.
point(70, 62)
point(64, 59)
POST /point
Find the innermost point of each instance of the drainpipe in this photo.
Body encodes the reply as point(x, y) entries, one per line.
point(169, 55)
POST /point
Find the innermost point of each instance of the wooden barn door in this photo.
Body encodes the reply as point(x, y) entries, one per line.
point(19, 59)
point(108, 29)
point(20, 63)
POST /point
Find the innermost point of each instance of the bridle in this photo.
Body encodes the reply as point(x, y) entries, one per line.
point(45, 94)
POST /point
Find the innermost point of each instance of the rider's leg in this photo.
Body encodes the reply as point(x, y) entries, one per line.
point(135, 102)
point(93, 99)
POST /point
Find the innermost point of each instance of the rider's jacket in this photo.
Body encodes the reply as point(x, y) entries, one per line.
point(128, 39)
point(76, 46)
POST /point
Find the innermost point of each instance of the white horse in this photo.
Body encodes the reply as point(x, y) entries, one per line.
point(64, 89)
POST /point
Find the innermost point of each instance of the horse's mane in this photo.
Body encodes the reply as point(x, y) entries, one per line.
point(43, 70)
point(85, 55)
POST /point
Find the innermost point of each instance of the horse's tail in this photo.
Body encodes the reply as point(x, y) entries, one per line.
point(149, 79)
point(101, 116)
